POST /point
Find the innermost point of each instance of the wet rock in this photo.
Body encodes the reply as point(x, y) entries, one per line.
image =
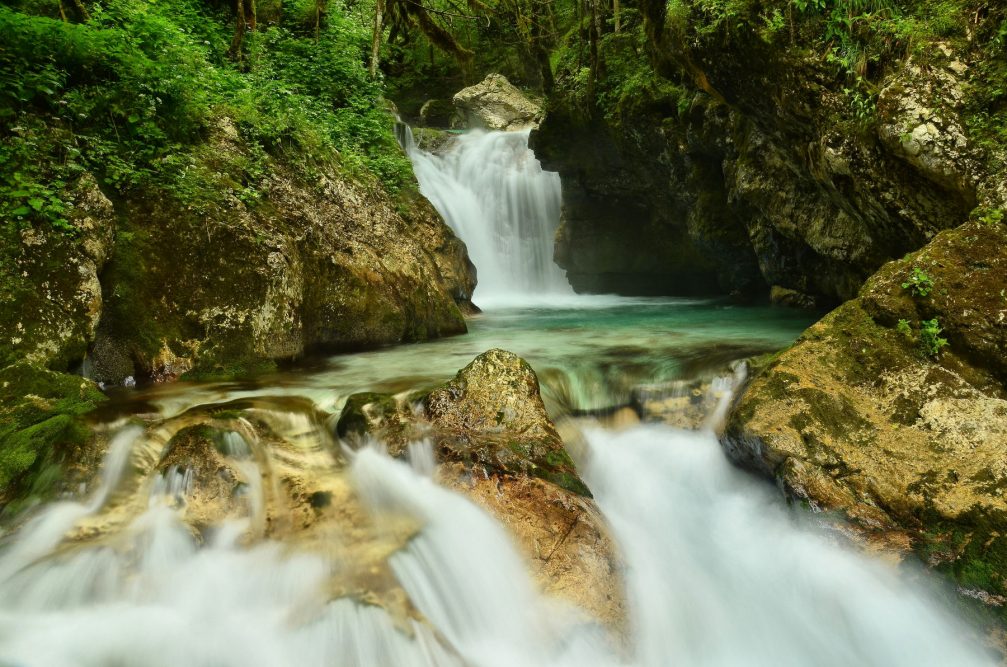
point(387, 419)
point(433, 141)
point(561, 535)
point(492, 413)
point(194, 472)
point(782, 296)
point(496, 104)
point(859, 417)
point(41, 429)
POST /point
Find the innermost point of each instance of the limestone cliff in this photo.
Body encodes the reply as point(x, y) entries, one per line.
point(146, 288)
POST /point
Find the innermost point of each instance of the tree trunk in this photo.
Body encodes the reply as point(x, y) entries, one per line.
point(84, 16)
point(239, 31)
point(615, 15)
point(319, 10)
point(379, 17)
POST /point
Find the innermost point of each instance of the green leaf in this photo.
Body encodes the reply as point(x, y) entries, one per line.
point(21, 210)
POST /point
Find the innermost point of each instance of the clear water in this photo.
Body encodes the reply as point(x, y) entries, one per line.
point(718, 570)
point(589, 353)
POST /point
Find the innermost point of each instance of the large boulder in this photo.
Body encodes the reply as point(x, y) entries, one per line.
point(870, 415)
point(332, 263)
point(496, 104)
point(561, 535)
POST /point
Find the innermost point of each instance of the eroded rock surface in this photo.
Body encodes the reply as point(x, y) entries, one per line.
point(862, 417)
point(50, 295)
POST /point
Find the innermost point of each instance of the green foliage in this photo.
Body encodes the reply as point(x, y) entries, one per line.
point(135, 94)
point(931, 341)
point(989, 216)
point(919, 283)
point(903, 328)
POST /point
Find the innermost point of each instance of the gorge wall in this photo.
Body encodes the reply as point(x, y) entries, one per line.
point(714, 152)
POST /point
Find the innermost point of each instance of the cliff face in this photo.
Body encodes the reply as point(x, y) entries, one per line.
point(751, 159)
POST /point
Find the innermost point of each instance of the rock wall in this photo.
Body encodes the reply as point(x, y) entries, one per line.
point(152, 290)
point(748, 164)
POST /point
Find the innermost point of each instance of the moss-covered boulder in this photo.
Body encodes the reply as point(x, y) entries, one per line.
point(868, 416)
point(331, 263)
point(50, 294)
point(490, 414)
point(41, 428)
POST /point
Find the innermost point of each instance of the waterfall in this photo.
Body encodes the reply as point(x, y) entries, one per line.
point(717, 572)
point(493, 192)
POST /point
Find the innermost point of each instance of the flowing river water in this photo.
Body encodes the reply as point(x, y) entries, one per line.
point(276, 544)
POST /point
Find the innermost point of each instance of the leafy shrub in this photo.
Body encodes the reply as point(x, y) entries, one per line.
point(919, 283)
point(931, 341)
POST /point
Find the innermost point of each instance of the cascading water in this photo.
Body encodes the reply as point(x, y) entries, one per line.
point(495, 195)
point(717, 573)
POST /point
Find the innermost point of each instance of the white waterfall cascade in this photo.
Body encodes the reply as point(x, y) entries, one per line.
point(493, 192)
point(718, 572)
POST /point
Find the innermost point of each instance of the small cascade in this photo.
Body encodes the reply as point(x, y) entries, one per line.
point(385, 566)
point(496, 197)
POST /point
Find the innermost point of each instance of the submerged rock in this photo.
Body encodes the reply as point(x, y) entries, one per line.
point(867, 415)
point(562, 536)
point(496, 104)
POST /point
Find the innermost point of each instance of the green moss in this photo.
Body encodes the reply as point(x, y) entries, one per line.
point(568, 481)
point(40, 423)
point(353, 419)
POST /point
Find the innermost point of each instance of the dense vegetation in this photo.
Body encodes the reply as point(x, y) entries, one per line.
point(131, 93)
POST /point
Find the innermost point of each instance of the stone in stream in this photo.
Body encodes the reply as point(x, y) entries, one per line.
point(860, 417)
point(491, 414)
point(496, 104)
point(498, 446)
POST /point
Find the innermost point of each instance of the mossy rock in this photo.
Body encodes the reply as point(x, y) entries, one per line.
point(854, 417)
point(41, 425)
point(490, 414)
